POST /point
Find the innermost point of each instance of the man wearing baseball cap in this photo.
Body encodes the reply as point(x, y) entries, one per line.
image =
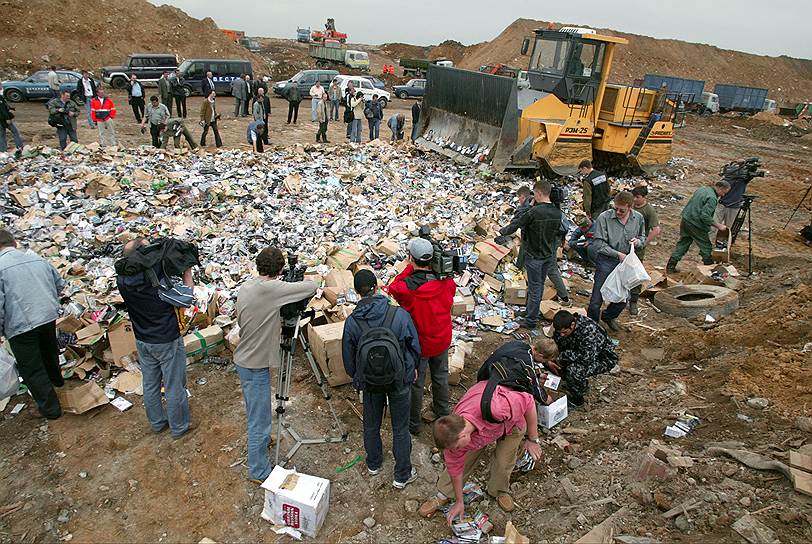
point(428, 299)
point(368, 361)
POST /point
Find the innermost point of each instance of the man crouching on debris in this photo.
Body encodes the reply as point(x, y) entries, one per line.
point(464, 435)
point(584, 350)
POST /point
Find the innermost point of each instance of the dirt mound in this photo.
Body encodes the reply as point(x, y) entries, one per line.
point(771, 118)
point(404, 51)
point(650, 55)
point(95, 33)
point(449, 49)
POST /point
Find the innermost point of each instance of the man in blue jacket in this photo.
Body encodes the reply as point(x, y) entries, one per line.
point(371, 312)
point(29, 305)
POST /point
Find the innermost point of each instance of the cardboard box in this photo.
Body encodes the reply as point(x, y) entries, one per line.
point(515, 292)
point(122, 341)
point(490, 254)
point(388, 247)
point(342, 258)
point(494, 284)
point(555, 413)
point(78, 400)
point(456, 361)
point(89, 335)
point(550, 308)
point(297, 500)
point(463, 304)
point(70, 323)
point(202, 343)
point(340, 279)
point(325, 343)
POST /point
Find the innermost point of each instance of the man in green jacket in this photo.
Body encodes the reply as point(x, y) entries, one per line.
point(697, 219)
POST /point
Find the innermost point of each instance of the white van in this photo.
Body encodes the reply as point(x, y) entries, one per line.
point(365, 86)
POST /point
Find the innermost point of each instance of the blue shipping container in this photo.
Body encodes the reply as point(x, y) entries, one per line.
point(690, 89)
point(740, 98)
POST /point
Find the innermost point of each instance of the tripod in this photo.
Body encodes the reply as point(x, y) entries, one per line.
point(744, 213)
point(806, 194)
point(290, 334)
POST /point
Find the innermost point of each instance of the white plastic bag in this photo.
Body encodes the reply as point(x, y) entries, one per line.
point(9, 379)
point(626, 276)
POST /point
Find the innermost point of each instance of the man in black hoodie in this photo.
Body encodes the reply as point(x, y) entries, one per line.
point(374, 311)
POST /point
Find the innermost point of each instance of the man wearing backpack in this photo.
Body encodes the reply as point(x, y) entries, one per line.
point(374, 113)
point(380, 349)
point(584, 350)
point(428, 300)
point(464, 436)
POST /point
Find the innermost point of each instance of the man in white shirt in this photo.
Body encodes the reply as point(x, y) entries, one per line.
point(53, 82)
point(316, 92)
point(86, 88)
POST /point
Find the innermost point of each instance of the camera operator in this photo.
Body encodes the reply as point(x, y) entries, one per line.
point(428, 300)
point(258, 303)
point(738, 174)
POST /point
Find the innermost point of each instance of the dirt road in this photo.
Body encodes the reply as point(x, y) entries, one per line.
point(104, 477)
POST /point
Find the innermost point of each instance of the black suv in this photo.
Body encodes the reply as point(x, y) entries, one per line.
point(147, 66)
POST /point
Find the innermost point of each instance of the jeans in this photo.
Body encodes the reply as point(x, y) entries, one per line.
point(107, 132)
point(374, 128)
point(165, 363)
point(603, 267)
point(314, 103)
point(537, 270)
point(64, 132)
point(355, 133)
point(438, 366)
point(87, 110)
point(293, 111)
point(256, 390)
point(15, 134)
point(335, 105)
point(217, 141)
point(137, 104)
point(401, 441)
point(37, 355)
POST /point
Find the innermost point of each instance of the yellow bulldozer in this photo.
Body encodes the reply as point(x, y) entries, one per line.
point(562, 111)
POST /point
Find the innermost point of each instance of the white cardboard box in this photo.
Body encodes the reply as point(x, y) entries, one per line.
point(555, 413)
point(297, 500)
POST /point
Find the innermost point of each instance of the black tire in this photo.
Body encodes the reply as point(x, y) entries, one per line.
point(693, 300)
point(403, 95)
point(14, 95)
point(119, 82)
point(383, 102)
point(187, 91)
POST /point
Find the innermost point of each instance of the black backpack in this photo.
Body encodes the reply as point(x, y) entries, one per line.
point(380, 356)
point(348, 114)
point(509, 372)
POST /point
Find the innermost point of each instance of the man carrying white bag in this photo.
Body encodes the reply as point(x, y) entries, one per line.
point(617, 269)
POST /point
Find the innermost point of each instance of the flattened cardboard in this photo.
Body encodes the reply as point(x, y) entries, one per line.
point(122, 341)
point(325, 343)
point(78, 400)
point(89, 335)
point(388, 247)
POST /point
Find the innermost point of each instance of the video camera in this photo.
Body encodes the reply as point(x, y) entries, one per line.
point(748, 169)
point(444, 262)
point(292, 312)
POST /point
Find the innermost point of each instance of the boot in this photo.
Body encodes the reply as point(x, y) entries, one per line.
point(633, 309)
point(671, 267)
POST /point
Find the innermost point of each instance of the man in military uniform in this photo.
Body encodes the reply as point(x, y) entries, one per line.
point(584, 350)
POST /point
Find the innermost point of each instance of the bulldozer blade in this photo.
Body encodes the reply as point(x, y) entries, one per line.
point(469, 116)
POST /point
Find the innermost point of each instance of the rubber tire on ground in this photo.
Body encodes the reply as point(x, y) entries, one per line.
point(13, 95)
point(118, 82)
point(722, 301)
point(403, 95)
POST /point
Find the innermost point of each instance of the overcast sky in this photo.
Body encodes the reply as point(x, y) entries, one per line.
point(771, 27)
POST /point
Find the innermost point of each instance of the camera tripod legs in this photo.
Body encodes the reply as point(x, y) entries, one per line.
point(282, 392)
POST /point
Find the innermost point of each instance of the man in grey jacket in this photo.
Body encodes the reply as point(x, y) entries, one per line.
point(239, 90)
point(29, 306)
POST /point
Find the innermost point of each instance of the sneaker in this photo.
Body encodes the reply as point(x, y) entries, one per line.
point(400, 485)
point(428, 508)
point(565, 302)
point(505, 502)
point(374, 471)
point(633, 309)
point(525, 324)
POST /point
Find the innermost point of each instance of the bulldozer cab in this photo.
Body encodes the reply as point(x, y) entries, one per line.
point(567, 64)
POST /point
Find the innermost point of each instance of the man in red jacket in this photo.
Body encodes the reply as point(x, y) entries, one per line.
point(428, 300)
point(103, 111)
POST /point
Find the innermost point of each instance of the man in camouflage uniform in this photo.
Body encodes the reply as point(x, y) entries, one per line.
point(584, 350)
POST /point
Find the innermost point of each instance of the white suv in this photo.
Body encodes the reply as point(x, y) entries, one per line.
point(365, 86)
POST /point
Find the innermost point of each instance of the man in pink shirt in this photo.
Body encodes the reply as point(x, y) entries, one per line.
point(465, 433)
